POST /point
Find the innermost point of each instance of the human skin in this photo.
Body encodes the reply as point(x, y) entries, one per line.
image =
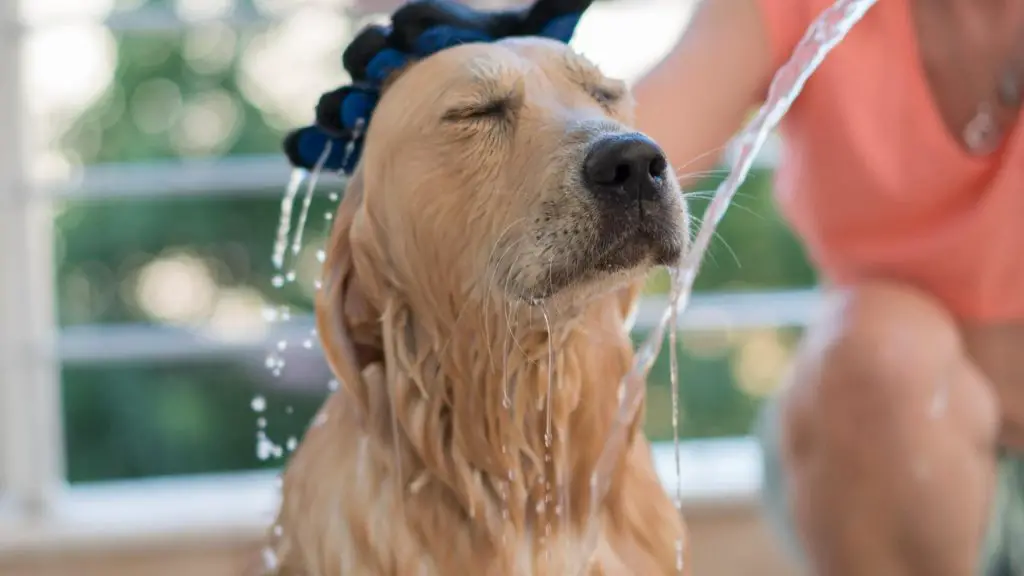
point(893, 408)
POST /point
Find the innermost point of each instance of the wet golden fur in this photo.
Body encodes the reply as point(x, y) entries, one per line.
point(458, 233)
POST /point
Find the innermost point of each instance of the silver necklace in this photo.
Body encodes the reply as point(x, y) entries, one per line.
point(983, 133)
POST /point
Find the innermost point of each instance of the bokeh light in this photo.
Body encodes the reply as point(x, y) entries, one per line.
point(177, 289)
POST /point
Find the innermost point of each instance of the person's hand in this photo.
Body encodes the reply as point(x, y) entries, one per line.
point(418, 29)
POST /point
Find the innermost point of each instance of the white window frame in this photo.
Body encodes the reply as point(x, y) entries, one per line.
point(37, 509)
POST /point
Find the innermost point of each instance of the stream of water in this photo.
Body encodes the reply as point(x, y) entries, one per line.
point(820, 38)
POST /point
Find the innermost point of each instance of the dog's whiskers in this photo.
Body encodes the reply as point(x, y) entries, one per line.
point(717, 235)
point(701, 156)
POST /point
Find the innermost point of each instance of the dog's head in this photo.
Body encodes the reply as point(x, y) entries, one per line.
point(493, 173)
point(510, 168)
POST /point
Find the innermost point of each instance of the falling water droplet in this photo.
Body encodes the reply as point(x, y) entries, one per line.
point(259, 403)
point(321, 256)
point(291, 444)
point(261, 422)
point(307, 343)
point(940, 400)
point(290, 276)
point(277, 281)
point(269, 560)
point(333, 196)
point(264, 447)
point(269, 314)
point(332, 384)
point(288, 410)
point(282, 345)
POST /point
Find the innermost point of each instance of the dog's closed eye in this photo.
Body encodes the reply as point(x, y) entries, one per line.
point(607, 95)
point(605, 91)
point(493, 108)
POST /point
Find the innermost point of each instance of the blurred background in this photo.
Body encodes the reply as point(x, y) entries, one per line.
point(140, 188)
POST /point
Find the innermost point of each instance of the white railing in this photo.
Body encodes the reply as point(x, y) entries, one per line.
point(172, 513)
point(31, 450)
point(37, 510)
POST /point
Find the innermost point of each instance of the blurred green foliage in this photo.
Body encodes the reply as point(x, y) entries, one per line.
point(134, 420)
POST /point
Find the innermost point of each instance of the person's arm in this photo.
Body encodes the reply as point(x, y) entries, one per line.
point(697, 98)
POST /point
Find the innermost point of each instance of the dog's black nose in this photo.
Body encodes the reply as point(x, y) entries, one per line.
point(628, 167)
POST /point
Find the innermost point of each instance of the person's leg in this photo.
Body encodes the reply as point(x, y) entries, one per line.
point(887, 438)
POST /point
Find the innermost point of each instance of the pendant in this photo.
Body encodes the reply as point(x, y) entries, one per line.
point(981, 135)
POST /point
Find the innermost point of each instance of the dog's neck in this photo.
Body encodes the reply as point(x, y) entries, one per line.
point(504, 410)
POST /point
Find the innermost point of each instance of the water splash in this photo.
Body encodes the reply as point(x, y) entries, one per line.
point(270, 561)
point(939, 404)
point(307, 200)
point(275, 362)
point(506, 404)
point(548, 435)
point(284, 224)
point(821, 37)
point(258, 404)
point(506, 399)
point(673, 356)
point(266, 449)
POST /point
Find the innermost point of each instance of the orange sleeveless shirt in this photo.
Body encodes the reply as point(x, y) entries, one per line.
point(877, 187)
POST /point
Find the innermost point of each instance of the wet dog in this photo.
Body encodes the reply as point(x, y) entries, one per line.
point(480, 275)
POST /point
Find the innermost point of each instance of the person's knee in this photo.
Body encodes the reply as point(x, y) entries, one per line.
point(886, 429)
point(883, 363)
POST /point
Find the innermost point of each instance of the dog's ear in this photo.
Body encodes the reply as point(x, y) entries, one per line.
point(348, 322)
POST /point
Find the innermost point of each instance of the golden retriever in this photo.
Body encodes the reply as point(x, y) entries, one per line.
point(480, 274)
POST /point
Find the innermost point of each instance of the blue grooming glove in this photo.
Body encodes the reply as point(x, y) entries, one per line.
point(419, 29)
